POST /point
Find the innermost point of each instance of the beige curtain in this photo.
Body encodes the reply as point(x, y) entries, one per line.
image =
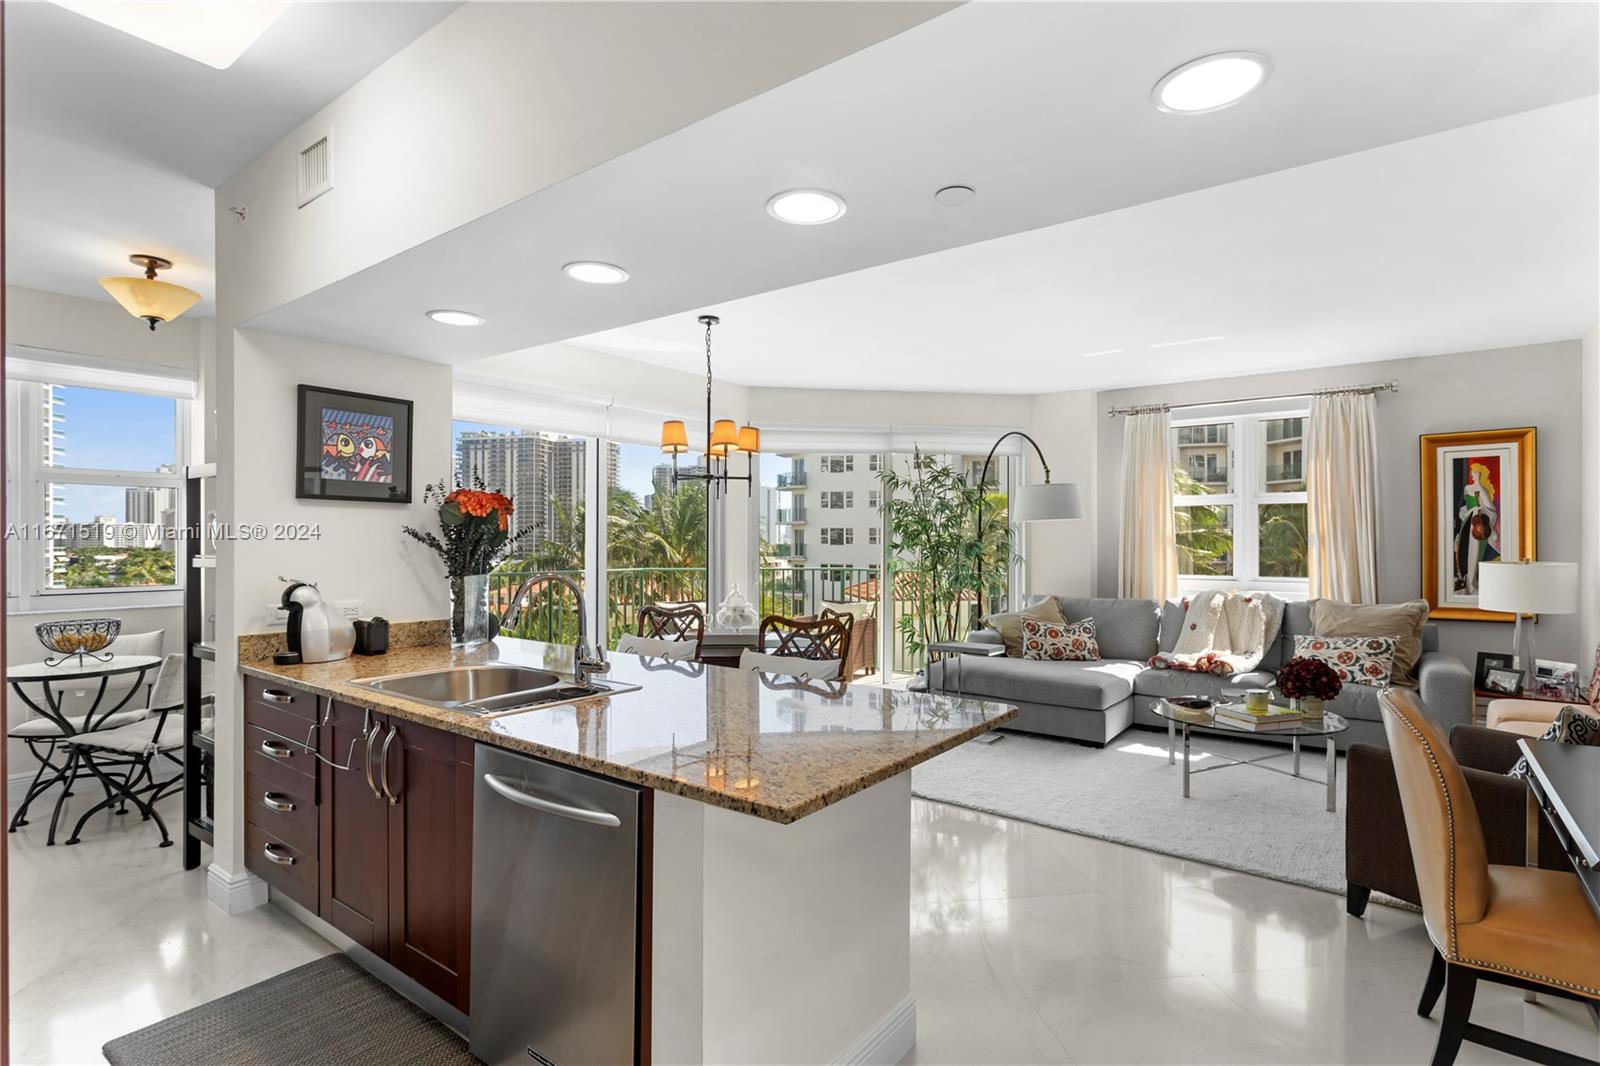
point(1341, 464)
point(1149, 563)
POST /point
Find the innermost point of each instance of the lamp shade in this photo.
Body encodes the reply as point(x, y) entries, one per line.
point(749, 439)
point(674, 438)
point(154, 301)
point(1528, 588)
point(1046, 503)
point(724, 435)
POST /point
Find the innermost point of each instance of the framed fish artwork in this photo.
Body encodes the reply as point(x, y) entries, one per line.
point(353, 446)
point(1478, 506)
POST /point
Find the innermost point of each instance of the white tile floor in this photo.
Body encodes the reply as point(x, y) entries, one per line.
point(1029, 945)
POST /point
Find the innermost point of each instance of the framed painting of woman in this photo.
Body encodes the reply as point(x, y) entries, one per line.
point(1478, 505)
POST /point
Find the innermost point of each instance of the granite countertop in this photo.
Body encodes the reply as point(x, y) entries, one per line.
point(758, 744)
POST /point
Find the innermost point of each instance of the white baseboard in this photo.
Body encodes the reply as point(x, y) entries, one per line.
point(887, 1042)
point(17, 788)
point(234, 893)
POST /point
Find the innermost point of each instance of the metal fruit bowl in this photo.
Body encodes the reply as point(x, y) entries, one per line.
point(78, 636)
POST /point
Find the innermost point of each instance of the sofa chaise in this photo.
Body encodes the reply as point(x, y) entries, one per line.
point(1096, 701)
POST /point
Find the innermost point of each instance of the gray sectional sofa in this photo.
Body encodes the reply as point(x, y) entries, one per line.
point(1095, 701)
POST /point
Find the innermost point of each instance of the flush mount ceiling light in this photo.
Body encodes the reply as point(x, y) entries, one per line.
point(1211, 83)
point(806, 207)
point(595, 273)
point(456, 318)
point(212, 33)
point(149, 299)
point(955, 196)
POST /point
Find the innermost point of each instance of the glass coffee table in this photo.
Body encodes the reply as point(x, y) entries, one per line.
point(1327, 727)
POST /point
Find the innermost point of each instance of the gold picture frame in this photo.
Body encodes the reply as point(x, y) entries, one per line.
point(1479, 503)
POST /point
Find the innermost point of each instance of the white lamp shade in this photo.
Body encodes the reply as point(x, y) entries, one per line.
point(1528, 588)
point(1046, 503)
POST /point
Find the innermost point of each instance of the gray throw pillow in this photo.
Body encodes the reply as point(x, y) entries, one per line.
point(1571, 726)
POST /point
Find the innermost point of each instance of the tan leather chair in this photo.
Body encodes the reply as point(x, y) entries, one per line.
point(1526, 927)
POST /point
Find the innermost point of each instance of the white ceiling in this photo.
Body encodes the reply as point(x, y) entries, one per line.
point(1480, 237)
point(113, 144)
point(1044, 109)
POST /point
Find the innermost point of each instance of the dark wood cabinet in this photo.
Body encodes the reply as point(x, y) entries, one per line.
point(354, 828)
point(430, 858)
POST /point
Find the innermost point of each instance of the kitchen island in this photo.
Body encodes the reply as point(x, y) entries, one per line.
point(774, 839)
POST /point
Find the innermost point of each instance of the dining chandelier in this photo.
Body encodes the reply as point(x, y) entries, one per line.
point(723, 439)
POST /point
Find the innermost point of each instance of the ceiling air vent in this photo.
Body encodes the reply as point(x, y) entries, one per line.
point(316, 170)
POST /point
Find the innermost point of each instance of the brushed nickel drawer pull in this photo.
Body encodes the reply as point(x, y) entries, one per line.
point(272, 695)
point(279, 857)
point(276, 750)
point(383, 779)
point(273, 801)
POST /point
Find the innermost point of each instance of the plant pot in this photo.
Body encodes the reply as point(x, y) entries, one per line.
point(1309, 706)
point(471, 622)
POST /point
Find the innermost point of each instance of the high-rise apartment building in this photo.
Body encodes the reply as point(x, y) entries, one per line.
point(542, 472)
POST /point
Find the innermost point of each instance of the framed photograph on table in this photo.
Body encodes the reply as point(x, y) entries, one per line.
point(1478, 506)
point(1490, 660)
point(1505, 682)
point(352, 446)
point(1555, 680)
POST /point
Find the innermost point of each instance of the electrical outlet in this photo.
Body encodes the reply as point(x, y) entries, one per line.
point(351, 609)
point(277, 614)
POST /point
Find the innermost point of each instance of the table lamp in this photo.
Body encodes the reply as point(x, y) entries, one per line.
point(1526, 588)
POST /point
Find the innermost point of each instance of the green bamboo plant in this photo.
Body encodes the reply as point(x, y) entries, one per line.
point(935, 554)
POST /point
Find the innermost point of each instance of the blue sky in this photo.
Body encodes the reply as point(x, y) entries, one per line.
point(112, 430)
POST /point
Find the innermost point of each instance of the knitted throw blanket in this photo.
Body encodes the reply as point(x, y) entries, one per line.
point(1224, 634)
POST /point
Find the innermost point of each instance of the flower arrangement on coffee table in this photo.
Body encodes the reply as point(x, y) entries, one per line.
point(1306, 680)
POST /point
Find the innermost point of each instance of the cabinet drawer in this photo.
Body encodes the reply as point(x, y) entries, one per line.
point(282, 722)
point(286, 751)
point(289, 870)
point(286, 812)
point(276, 694)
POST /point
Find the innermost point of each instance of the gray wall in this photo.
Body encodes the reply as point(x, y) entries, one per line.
point(1537, 385)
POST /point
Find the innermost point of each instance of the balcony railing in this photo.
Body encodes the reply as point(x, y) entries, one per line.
point(783, 589)
point(789, 516)
point(1290, 429)
point(1285, 472)
point(795, 480)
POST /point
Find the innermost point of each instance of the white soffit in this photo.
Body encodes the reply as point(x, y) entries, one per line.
point(1042, 108)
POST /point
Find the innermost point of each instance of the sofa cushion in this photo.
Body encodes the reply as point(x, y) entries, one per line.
point(1009, 624)
point(1092, 686)
point(1125, 628)
point(1166, 684)
point(1403, 622)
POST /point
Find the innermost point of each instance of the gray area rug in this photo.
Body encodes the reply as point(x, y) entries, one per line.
point(1242, 818)
point(328, 1011)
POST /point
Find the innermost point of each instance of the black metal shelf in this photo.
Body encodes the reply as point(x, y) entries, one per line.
point(199, 750)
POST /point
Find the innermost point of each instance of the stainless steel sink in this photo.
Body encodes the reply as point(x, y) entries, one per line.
point(492, 689)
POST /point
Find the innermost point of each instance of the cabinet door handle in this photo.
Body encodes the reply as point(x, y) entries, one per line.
point(272, 695)
point(275, 854)
point(274, 801)
point(372, 734)
point(383, 760)
point(276, 750)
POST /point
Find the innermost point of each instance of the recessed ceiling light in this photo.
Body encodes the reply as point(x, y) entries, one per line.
point(1190, 340)
point(1108, 351)
point(212, 33)
point(955, 196)
point(1211, 83)
point(456, 318)
point(595, 273)
point(806, 207)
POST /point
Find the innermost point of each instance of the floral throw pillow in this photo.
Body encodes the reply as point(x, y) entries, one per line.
point(1059, 641)
point(1572, 726)
point(1357, 660)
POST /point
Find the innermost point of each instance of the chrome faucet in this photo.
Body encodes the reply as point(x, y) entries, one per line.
point(584, 661)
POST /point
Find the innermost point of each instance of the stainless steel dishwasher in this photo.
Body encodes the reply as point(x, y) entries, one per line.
point(555, 922)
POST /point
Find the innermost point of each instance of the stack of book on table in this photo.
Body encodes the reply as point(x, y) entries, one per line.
point(1275, 717)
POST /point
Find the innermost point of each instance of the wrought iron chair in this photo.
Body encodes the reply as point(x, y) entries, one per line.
point(134, 748)
point(673, 621)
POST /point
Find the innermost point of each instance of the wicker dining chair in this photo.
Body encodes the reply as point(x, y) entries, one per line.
point(826, 637)
point(673, 621)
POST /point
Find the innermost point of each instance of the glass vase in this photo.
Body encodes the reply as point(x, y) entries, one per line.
point(471, 623)
point(1309, 706)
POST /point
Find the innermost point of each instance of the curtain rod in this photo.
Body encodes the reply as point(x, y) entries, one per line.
point(1146, 408)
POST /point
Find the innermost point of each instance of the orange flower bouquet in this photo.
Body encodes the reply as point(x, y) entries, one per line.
point(474, 534)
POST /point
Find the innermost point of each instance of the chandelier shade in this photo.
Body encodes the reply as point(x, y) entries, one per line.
point(749, 439)
point(149, 299)
point(674, 437)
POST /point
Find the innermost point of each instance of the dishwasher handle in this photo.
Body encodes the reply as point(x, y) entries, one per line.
point(560, 810)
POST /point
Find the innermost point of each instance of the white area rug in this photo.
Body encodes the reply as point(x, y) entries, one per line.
point(1242, 818)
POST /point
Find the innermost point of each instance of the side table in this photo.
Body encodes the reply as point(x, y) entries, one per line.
point(960, 649)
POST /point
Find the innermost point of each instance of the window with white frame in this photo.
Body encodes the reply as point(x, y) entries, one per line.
point(874, 496)
point(874, 462)
point(838, 535)
point(94, 480)
point(838, 464)
point(1239, 501)
point(872, 534)
point(837, 499)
